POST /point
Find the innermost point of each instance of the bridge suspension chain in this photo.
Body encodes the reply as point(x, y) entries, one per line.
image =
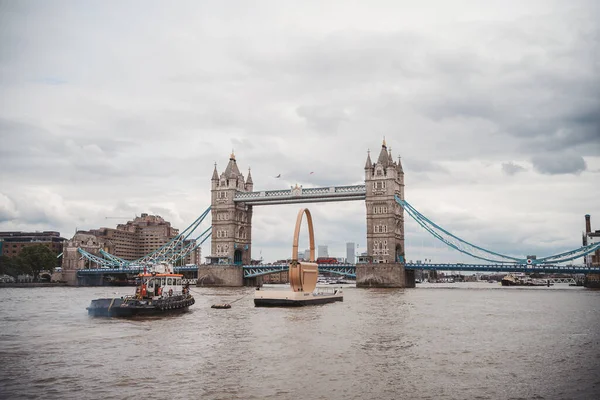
point(117, 260)
point(484, 254)
point(198, 241)
point(174, 244)
point(101, 262)
point(454, 241)
point(569, 255)
point(171, 252)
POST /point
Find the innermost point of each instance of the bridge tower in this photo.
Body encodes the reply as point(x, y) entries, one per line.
point(231, 241)
point(385, 218)
point(385, 223)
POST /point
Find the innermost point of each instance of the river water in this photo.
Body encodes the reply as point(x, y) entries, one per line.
point(452, 341)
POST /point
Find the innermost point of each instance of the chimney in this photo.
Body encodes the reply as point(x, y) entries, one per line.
point(588, 224)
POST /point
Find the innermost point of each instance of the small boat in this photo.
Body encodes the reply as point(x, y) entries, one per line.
point(158, 293)
point(221, 306)
point(523, 280)
point(510, 280)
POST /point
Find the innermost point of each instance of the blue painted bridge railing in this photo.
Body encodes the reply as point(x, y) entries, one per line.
point(251, 271)
point(349, 270)
point(129, 270)
point(539, 268)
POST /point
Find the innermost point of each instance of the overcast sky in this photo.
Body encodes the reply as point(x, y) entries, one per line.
point(115, 108)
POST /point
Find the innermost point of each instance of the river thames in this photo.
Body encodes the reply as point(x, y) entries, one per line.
point(453, 341)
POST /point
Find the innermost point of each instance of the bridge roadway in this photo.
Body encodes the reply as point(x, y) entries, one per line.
point(299, 194)
point(349, 270)
point(129, 270)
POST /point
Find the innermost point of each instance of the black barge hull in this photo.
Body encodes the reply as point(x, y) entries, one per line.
point(295, 303)
point(119, 307)
point(592, 281)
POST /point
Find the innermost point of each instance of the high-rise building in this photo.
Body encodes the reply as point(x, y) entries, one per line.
point(350, 253)
point(307, 255)
point(323, 251)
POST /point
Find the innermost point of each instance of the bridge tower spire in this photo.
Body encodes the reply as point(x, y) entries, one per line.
point(231, 240)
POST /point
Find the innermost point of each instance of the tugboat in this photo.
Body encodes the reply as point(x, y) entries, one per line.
point(159, 292)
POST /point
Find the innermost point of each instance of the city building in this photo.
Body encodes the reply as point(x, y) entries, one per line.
point(350, 253)
point(589, 237)
point(363, 258)
point(323, 251)
point(139, 237)
point(11, 243)
point(306, 255)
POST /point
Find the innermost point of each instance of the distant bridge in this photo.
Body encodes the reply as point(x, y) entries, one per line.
point(130, 270)
point(349, 270)
point(251, 271)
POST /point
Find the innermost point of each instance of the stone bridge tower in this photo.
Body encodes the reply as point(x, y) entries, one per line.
point(385, 217)
point(385, 224)
point(231, 240)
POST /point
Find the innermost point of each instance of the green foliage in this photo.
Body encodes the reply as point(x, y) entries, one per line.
point(10, 266)
point(36, 258)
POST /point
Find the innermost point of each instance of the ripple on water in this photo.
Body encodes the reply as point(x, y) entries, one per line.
point(468, 342)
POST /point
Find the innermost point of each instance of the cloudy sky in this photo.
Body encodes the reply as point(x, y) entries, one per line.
point(115, 108)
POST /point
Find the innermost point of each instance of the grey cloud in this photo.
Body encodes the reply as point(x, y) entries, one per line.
point(323, 119)
point(8, 210)
point(510, 168)
point(414, 164)
point(553, 164)
point(136, 124)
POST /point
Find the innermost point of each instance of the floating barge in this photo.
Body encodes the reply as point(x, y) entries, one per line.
point(303, 278)
point(287, 298)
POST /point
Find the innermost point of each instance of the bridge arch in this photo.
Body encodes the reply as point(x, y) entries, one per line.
point(237, 257)
point(399, 256)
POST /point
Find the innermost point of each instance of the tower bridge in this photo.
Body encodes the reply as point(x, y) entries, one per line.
point(233, 199)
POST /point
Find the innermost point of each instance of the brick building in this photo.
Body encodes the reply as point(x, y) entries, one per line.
point(11, 243)
point(139, 237)
point(591, 237)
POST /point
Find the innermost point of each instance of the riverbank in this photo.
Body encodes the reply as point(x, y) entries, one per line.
point(31, 284)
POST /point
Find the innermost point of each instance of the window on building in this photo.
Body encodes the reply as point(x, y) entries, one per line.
point(379, 185)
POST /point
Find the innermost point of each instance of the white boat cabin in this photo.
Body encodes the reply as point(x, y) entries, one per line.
point(155, 286)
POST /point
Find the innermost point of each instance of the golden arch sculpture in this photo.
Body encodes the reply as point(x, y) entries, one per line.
point(303, 275)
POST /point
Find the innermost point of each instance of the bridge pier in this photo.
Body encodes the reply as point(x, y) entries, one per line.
point(220, 275)
point(384, 275)
point(255, 281)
